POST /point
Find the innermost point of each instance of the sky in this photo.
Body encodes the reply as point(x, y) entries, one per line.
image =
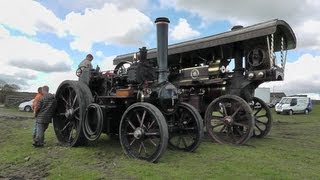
point(43, 41)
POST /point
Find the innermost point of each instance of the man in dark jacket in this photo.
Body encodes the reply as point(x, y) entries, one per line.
point(44, 113)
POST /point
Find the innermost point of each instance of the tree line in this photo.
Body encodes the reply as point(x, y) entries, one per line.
point(7, 89)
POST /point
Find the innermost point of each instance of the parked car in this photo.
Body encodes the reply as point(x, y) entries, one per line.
point(26, 106)
point(292, 105)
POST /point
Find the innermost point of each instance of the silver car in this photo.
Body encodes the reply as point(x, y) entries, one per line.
point(26, 106)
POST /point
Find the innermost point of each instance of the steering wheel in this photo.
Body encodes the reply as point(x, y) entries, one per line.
point(79, 70)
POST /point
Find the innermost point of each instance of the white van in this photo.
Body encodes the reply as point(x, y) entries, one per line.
point(291, 105)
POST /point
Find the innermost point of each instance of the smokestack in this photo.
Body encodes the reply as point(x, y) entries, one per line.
point(162, 46)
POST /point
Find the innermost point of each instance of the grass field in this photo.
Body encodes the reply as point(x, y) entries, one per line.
point(290, 151)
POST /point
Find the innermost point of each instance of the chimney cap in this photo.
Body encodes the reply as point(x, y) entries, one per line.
point(236, 27)
point(162, 20)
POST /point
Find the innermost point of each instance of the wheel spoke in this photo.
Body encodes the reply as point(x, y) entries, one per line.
point(217, 125)
point(261, 116)
point(257, 111)
point(258, 127)
point(138, 117)
point(143, 116)
point(238, 130)
point(76, 109)
point(260, 122)
point(132, 126)
point(74, 100)
point(235, 112)
point(144, 147)
point(240, 124)
point(70, 95)
point(152, 133)
point(130, 134)
point(140, 148)
point(223, 128)
point(64, 100)
point(133, 140)
point(224, 109)
point(217, 117)
point(64, 128)
point(152, 142)
point(151, 124)
point(77, 118)
point(70, 135)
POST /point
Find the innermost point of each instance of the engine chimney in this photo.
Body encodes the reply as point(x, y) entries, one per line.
point(162, 46)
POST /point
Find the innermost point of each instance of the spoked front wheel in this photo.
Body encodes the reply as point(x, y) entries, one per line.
point(187, 128)
point(143, 132)
point(229, 120)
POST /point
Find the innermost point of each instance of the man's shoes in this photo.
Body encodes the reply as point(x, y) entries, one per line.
point(37, 145)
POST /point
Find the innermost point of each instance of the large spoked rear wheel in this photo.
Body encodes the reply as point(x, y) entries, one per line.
point(71, 107)
point(187, 128)
point(143, 132)
point(229, 120)
point(262, 118)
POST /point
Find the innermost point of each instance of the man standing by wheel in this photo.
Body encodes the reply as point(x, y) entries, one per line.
point(44, 113)
point(84, 69)
point(34, 106)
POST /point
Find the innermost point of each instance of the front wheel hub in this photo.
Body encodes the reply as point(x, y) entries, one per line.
point(228, 120)
point(69, 113)
point(138, 133)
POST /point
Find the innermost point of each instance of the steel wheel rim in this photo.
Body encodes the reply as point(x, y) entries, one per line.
point(141, 134)
point(262, 117)
point(68, 116)
point(229, 120)
point(187, 131)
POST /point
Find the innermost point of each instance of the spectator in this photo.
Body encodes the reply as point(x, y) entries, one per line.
point(44, 113)
point(34, 106)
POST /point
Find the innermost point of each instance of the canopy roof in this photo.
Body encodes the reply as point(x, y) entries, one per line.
point(277, 27)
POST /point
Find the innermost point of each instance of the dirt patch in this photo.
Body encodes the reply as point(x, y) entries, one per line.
point(12, 117)
point(34, 170)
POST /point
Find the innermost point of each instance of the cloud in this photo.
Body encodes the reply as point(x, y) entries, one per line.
point(14, 79)
point(299, 14)
point(183, 31)
point(301, 76)
point(39, 65)
point(107, 63)
point(116, 22)
point(32, 55)
point(23, 61)
point(4, 33)
point(30, 17)
point(99, 53)
point(80, 6)
point(109, 24)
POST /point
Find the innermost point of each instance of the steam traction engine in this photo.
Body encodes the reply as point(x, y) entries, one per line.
point(225, 98)
point(140, 106)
